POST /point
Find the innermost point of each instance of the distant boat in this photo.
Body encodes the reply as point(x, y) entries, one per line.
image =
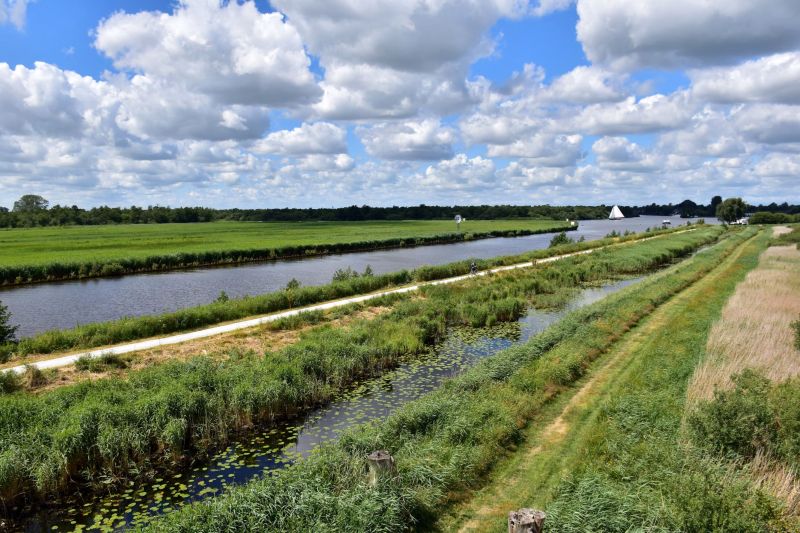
point(616, 214)
point(666, 222)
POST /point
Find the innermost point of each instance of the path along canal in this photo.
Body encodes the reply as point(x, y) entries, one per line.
point(63, 305)
point(265, 452)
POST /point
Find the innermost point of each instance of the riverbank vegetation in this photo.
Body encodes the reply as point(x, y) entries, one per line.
point(77, 252)
point(619, 456)
point(134, 328)
point(111, 429)
point(448, 440)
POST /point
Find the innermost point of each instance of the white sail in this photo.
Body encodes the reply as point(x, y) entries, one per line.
point(615, 213)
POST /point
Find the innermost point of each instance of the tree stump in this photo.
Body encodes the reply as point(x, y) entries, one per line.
point(526, 521)
point(381, 465)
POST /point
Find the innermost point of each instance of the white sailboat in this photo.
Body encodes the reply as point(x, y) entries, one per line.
point(616, 214)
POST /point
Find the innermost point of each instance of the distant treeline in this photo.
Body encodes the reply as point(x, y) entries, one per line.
point(65, 216)
point(37, 213)
point(765, 217)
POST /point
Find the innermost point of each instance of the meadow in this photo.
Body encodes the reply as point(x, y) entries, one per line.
point(112, 428)
point(72, 252)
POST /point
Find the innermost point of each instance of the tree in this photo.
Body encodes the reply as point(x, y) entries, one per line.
point(7, 331)
point(30, 203)
point(715, 201)
point(731, 210)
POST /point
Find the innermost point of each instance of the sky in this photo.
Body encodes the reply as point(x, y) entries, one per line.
point(304, 103)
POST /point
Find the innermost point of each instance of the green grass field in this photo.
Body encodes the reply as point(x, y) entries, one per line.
point(37, 246)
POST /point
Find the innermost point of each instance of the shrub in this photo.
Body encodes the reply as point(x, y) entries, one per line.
point(7, 331)
point(756, 416)
point(560, 239)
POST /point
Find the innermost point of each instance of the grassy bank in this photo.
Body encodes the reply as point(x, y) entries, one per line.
point(75, 252)
point(111, 429)
point(445, 441)
point(127, 329)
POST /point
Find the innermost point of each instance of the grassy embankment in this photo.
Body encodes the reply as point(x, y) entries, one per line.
point(74, 252)
point(116, 428)
point(614, 457)
point(447, 440)
point(134, 328)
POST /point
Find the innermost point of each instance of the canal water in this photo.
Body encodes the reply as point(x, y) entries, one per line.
point(62, 305)
point(263, 453)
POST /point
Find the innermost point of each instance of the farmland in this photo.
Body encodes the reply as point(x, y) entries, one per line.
point(41, 254)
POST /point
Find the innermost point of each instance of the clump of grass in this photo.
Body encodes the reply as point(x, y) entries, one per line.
point(103, 363)
point(33, 378)
point(9, 382)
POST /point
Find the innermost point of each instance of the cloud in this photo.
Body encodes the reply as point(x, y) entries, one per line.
point(585, 85)
point(768, 123)
point(14, 12)
point(316, 138)
point(420, 140)
point(618, 153)
point(458, 173)
point(653, 113)
point(542, 149)
point(229, 52)
point(390, 58)
point(684, 33)
point(774, 79)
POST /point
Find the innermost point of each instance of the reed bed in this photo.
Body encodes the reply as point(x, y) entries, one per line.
point(755, 329)
point(114, 429)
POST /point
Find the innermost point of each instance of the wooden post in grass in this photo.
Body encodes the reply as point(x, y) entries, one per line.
point(381, 464)
point(526, 521)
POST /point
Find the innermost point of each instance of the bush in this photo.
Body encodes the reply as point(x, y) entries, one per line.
point(560, 239)
point(7, 331)
point(756, 416)
point(736, 421)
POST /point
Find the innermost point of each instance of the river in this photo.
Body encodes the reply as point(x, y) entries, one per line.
point(62, 305)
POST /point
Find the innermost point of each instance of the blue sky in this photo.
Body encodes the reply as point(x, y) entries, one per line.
point(398, 102)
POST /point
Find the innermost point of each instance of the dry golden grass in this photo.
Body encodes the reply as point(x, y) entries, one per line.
point(755, 329)
point(777, 231)
point(777, 479)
